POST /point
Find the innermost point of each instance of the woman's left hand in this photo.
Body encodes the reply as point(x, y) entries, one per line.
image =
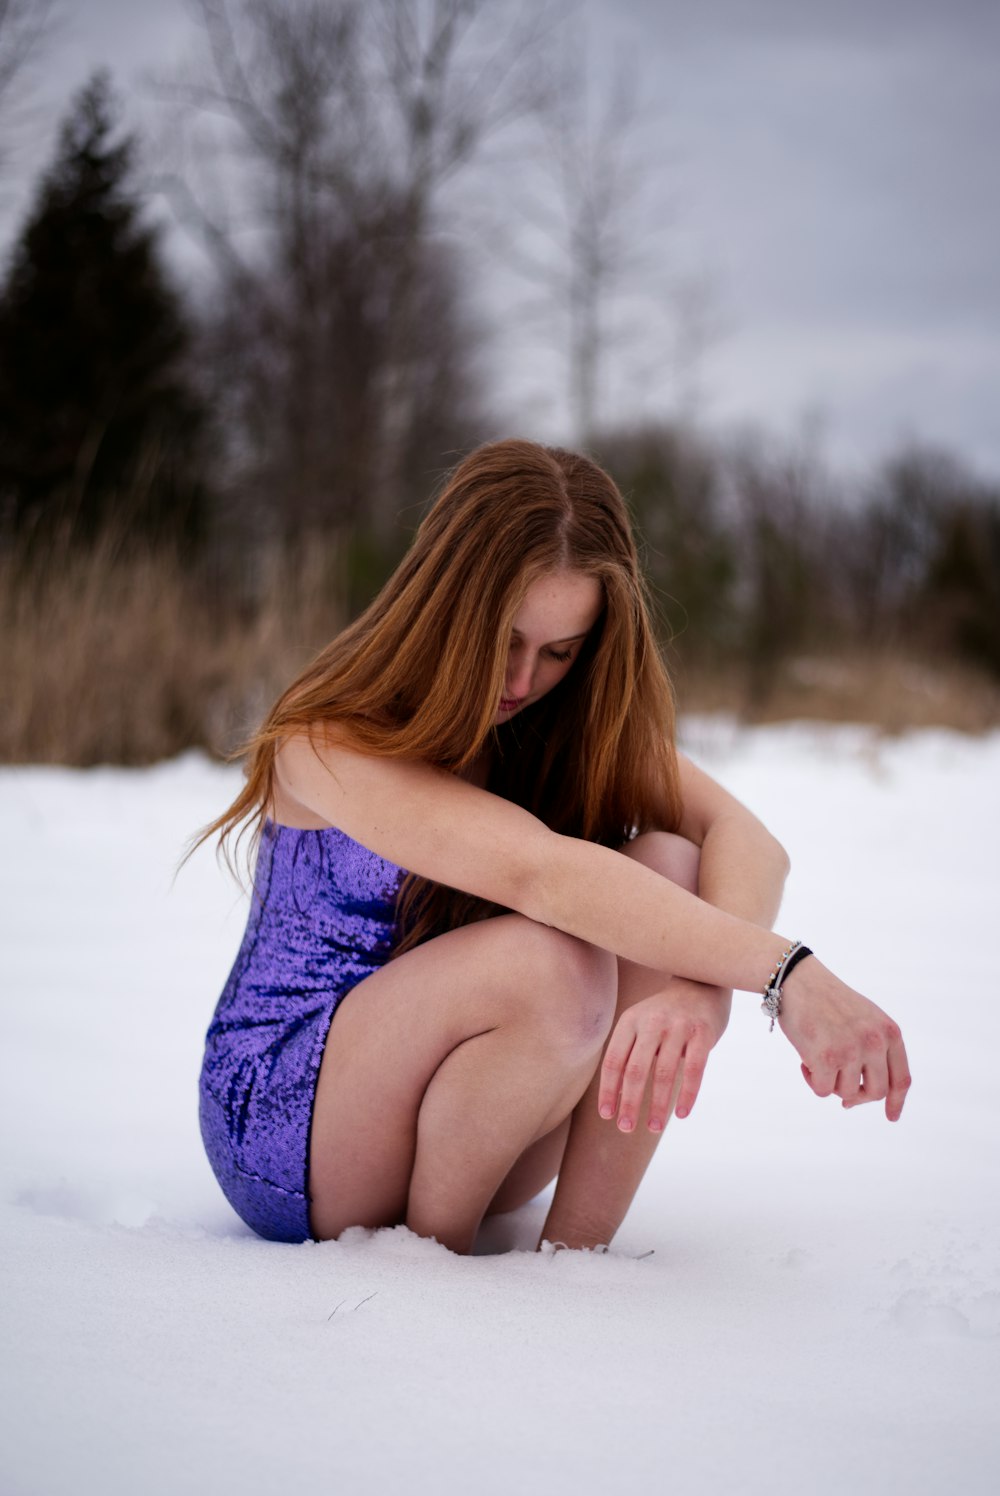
point(667, 1036)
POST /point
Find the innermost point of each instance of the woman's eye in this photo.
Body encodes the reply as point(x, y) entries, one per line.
point(554, 654)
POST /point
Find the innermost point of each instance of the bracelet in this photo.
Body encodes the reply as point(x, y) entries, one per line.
point(771, 1005)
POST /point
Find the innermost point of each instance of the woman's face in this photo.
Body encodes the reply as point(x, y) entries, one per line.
point(558, 612)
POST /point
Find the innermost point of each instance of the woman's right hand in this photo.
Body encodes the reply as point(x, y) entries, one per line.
point(848, 1047)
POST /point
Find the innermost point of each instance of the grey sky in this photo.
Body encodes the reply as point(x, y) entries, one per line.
point(834, 175)
point(842, 159)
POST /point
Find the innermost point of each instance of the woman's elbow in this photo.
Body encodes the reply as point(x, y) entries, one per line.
point(781, 859)
point(753, 838)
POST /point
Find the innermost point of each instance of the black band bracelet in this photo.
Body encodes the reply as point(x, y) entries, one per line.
point(772, 992)
point(793, 961)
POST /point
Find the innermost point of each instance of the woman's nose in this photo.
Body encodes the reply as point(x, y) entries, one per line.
point(520, 669)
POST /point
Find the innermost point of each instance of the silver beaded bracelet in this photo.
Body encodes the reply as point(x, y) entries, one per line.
point(771, 1005)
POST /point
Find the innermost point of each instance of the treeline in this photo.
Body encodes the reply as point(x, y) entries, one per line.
point(197, 489)
point(761, 555)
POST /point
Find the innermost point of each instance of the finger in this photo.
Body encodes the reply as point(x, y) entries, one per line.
point(612, 1069)
point(666, 1078)
point(634, 1082)
point(848, 1086)
point(899, 1077)
point(820, 1078)
point(695, 1060)
point(875, 1079)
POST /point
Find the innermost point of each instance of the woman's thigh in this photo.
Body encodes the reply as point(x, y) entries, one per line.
point(390, 1034)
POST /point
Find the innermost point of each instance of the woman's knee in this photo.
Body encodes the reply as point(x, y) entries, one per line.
point(668, 854)
point(567, 987)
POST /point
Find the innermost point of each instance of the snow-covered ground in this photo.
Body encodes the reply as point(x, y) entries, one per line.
point(820, 1311)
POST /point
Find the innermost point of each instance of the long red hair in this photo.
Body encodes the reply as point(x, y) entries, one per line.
point(420, 673)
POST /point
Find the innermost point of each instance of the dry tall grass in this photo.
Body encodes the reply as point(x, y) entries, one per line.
point(123, 655)
point(890, 689)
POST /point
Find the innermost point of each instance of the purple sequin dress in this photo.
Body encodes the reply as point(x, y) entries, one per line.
point(322, 918)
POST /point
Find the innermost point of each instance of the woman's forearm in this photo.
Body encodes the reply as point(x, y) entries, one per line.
point(614, 902)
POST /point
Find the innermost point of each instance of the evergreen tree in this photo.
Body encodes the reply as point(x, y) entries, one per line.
point(98, 420)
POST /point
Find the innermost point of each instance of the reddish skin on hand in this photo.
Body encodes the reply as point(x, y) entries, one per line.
point(848, 1046)
point(669, 1035)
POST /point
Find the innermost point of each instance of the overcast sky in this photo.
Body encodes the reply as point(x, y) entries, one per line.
point(834, 174)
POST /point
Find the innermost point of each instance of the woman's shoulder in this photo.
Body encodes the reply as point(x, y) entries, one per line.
point(285, 810)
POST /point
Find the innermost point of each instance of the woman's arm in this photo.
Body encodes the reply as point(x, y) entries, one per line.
point(743, 867)
point(670, 1034)
point(437, 825)
point(849, 1047)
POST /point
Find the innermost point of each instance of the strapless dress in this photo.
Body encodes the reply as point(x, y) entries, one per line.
point(322, 918)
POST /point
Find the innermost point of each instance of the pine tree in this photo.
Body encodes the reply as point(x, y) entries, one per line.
point(98, 420)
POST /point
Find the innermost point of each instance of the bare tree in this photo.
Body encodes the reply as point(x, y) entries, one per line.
point(591, 233)
point(596, 185)
point(24, 26)
point(23, 23)
point(602, 179)
point(348, 120)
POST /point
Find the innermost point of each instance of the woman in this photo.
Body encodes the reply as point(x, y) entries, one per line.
point(480, 856)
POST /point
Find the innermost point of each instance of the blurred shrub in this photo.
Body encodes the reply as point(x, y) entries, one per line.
point(762, 561)
point(961, 592)
point(673, 483)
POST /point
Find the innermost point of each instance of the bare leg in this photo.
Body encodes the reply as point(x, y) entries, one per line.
point(602, 1166)
point(445, 1067)
point(537, 1167)
point(488, 1102)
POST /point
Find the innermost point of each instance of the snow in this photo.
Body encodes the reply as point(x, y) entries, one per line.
point(801, 1300)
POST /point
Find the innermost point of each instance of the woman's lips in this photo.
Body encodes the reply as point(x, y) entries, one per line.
point(509, 703)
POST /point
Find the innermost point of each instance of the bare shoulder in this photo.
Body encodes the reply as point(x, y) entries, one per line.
point(328, 773)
